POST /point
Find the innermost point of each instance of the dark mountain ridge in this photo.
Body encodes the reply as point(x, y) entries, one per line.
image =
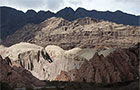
point(12, 19)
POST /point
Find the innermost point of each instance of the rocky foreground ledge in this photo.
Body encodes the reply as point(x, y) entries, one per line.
point(16, 76)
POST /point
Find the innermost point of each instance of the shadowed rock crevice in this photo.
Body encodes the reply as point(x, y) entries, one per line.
point(46, 56)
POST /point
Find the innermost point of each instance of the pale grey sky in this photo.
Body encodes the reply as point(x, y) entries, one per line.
point(129, 6)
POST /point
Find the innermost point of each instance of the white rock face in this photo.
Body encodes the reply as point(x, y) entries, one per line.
point(34, 61)
point(2, 49)
point(66, 60)
point(13, 51)
point(31, 58)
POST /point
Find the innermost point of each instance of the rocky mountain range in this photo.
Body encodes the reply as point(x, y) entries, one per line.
point(12, 19)
point(72, 49)
point(83, 33)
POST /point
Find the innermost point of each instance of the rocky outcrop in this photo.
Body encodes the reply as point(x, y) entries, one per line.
point(17, 76)
point(46, 63)
point(120, 65)
point(100, 65)
point(63, 77)
point(84, 33)
point(13, 51)
point(44, 70)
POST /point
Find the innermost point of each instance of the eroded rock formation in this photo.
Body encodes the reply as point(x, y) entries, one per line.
point(47, 63)
point(120, 65)
point(100, 65)
point(17, 76)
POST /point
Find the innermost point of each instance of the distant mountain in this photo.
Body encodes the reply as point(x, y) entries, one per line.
point(12, 19)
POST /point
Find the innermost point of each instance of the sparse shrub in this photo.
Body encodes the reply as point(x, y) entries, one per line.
point(5, 86)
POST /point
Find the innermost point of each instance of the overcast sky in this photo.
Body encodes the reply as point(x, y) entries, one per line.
point(129, 6)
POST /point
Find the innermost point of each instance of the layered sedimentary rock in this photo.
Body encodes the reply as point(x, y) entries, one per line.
point(84, 33)
point(17, 76)
point(120, 65)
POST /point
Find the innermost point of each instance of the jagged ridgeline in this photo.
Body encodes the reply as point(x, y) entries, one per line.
point(12, 19)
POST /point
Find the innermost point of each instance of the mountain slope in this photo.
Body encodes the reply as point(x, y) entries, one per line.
point(12, 19)
point(84, 32)
point(120, 65)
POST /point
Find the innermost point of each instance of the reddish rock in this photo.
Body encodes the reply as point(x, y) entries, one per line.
point(121, 65)
point(63, 76)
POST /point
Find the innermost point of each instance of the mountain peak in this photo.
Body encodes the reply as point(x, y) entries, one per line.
point(80, 9)
point(66, 13)
point(30, 12)
point(118, 11)
point(66, 9)
point(54, 22)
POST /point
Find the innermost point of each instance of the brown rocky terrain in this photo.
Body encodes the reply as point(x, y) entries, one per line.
point(17, 76)
point(85, 65)
point(121, 65)
point(85, 33)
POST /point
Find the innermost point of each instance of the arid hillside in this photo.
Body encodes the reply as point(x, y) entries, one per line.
point(84, 33)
